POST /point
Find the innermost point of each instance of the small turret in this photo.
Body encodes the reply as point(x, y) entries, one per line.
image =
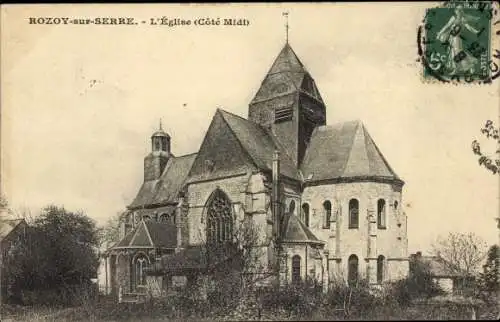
point(155, 162)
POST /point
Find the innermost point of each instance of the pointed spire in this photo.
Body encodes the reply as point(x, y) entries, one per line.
point(160, 131)
point(285, 14)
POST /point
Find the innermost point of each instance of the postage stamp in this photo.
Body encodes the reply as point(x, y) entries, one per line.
point(230, 162)
point(456, 42)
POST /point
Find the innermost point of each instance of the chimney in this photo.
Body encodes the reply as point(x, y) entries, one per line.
point(275, 198)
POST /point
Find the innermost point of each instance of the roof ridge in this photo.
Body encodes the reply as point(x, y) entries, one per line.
point(366, 140)
point(306, 229)
point(280, 147)
point(236, 115)
point(306, 154)
point(146, 227)
point(367, 134)
point(281, 52)
point(359, 121)
point(185, 155)
point(295, 54)
point(167, 166)
point(351, 145)
point(15, 219)
point(221, 111)
point(136, 230)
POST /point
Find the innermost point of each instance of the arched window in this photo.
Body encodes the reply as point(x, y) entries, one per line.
point(305, 214)
point(291, 207)
point(395, 205)
point(380, 268)
point(296, 269)
point(140, 264)
point(327, 206)
point(219, 219)
point(353, 213)
point(352, 269)
point(381, 214)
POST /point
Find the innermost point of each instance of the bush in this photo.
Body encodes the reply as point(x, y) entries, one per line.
point(299, 299)
point(343, 300)
point(419, 284)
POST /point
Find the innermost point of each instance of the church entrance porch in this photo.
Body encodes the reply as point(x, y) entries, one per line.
point(126, 273)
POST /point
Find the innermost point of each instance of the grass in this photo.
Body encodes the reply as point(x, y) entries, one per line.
point(107, 310)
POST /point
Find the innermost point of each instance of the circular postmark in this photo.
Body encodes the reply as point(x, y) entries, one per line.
point(459, 42)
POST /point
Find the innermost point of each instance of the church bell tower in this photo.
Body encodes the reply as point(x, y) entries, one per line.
point(288, 104)
point(155, 162)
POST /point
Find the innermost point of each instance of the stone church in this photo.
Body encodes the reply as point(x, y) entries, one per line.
point(325, 201)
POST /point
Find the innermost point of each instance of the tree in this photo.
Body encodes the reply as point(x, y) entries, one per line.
point(58, 256)
point(488, 279)
point(490, 161)
point(233, 270)
point(110, 231)
point(462, 252)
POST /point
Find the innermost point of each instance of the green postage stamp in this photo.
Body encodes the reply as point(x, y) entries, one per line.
point(455, 42)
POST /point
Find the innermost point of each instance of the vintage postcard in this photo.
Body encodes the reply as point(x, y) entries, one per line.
point(265, 161)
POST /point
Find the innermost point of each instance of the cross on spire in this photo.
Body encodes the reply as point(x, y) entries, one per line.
point(161, 128)
point(285, 14)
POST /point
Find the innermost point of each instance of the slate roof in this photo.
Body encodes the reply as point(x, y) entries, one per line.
point(192, 258)
point(235, 145)
point(151, 234)
point(7, 226)
point(259, 144)
point(286, 69)
point(296, 231)
point(344, 150)
point(166, 189)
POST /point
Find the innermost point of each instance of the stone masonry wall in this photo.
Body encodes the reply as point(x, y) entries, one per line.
point(390, 242)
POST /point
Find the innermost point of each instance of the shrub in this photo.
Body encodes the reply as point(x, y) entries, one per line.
point(347, 300)
point(419, 284)
point(299, 299)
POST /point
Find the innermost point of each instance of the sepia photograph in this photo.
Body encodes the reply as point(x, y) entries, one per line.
point(250, 162)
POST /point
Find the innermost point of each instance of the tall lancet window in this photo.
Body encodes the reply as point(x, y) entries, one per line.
point(219, 219)
point(353, 213)
point(140, 264)
point(327, 208)
point(296, 276)
point(291, 207)
point(352, 269)
point(381, 214)
point(305, 214)
point(380, 268)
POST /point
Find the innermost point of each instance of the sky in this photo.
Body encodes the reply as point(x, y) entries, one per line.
point(80, 102)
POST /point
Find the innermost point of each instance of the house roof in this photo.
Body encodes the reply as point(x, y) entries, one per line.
point(344, 150)
point(259, 144)
point(7, 226)
point(150, 234)
point(296, 231)
point(166, 189)
point(440, 268)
